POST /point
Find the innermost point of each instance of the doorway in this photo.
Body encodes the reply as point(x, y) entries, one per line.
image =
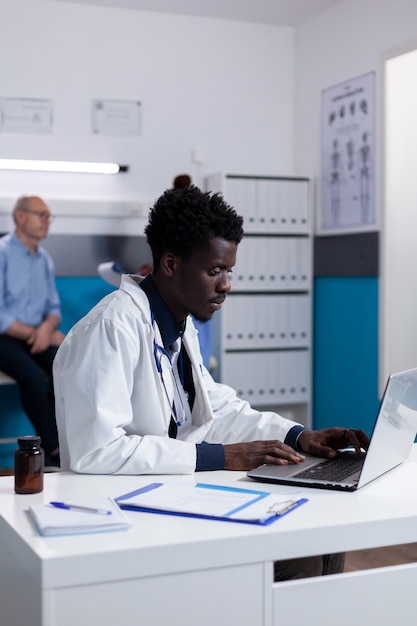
point(398, 302)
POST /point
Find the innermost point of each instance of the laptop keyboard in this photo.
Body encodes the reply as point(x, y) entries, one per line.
point(334, 469)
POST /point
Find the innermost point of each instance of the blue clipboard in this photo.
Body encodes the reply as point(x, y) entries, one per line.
point(257, 496)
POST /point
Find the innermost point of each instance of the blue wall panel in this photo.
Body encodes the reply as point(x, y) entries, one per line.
point(14, 422)
point(79, 295)
point(345, 365)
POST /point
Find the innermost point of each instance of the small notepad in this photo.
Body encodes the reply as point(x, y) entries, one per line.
point(51, 521)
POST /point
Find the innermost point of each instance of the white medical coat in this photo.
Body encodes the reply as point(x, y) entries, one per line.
point(113, 410)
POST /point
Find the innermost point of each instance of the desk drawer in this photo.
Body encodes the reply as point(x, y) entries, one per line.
point(384, 596)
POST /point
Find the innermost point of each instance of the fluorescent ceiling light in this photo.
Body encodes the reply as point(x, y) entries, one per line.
point(77, 167)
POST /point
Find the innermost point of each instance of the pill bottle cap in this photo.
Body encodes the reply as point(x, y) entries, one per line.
point(29, 441)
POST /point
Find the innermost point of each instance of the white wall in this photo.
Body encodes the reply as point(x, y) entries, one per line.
point(354, 37)
point(222, 87)
point(351, 38)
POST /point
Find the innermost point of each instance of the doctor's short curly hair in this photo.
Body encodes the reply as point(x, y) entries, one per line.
point(184, 220)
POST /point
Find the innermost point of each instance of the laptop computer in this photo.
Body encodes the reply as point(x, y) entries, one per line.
point(392, 437)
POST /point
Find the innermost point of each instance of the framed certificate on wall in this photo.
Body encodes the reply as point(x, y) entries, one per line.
point(117, 117)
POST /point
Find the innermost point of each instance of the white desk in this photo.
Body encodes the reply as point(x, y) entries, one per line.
point(182, 571)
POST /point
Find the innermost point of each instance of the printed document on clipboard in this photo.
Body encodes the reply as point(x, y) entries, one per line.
point(211, 502)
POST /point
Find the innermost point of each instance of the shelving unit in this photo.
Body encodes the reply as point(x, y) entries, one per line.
point(264, 333)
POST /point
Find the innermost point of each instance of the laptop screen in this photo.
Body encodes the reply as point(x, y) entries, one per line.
point(396, 426)
point(391, 441)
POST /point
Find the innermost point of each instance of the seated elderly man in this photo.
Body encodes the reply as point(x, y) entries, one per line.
point(29, 317)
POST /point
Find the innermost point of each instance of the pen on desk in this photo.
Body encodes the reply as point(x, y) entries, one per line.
point(77, 507)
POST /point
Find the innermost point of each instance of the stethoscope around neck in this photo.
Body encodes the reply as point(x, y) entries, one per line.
point(159, 352)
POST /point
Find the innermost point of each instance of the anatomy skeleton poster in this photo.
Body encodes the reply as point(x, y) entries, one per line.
point(348, 156)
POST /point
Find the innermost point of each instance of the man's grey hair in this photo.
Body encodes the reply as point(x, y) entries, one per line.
point(21, 204)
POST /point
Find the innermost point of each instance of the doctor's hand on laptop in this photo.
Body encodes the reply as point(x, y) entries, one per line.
point(327, 441)
point(324, 443)
point(250, 454)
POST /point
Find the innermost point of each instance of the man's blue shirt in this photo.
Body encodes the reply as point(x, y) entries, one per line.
point(27, 284)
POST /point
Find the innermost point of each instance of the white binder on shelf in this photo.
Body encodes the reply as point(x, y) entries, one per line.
point(241, 194)
point(298, 307)
point(268, 206)
point(300, 204)
point(304, 263)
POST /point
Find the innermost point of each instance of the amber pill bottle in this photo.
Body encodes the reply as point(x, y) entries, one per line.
point(28, 465)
